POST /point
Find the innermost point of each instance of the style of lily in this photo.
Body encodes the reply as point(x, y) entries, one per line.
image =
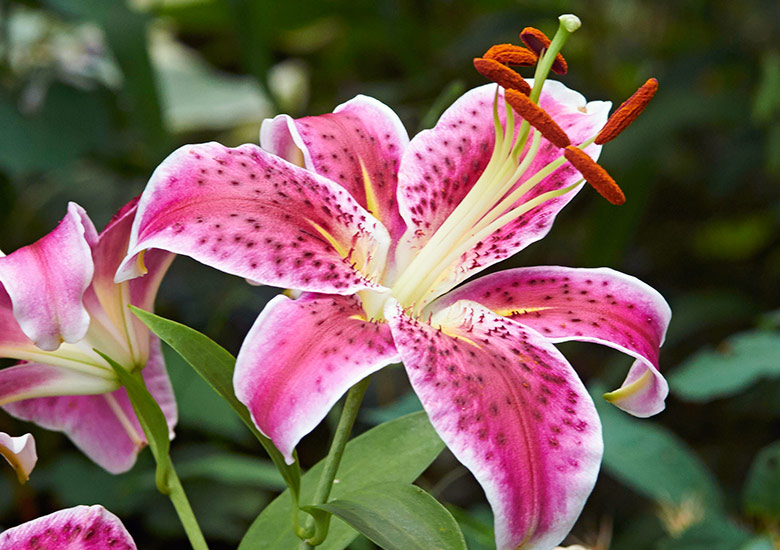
point(77, 528)
point(58, 304)
point(20, 453)
point(377, 231)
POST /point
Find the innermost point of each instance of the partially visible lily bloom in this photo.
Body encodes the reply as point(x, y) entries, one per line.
point(77, 528)
point(377, 231)
point(58, 303)
point(20, 453)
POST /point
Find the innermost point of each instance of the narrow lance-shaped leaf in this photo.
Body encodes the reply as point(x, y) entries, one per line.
point(152, 420)
point(398, 517)
point(215, 365)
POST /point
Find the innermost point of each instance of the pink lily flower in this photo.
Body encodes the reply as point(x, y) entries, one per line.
point(58, 302)
point(77, 528)
point(20, 453)
point(376, 231)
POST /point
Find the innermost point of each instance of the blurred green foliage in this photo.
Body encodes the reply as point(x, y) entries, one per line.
point(94, 94)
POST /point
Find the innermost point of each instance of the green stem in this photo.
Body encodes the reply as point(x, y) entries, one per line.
point(184, 510)
point(332, 461)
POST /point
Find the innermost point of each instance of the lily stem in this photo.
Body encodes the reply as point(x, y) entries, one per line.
point(184, 511)
point(332, 461)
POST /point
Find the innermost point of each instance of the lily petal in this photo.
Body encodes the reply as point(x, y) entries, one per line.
point(107, 301)
point(104, 427)
point(512, 410)
point(301, 356)
point(78, 528)
point(20, 454)
point(11, 335)
point(444, 163)
point(257, 216)
point(32, 380)
point(588, 305)
point(47, 279)
point(359, 146)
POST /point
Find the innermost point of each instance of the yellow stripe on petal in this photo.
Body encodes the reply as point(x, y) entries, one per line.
point(632, 389)
point(372, 205)
point(330, 238)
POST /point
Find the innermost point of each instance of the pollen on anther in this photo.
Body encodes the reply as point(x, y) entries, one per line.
point(501, 75)
point(538, 118)
point(537, 41)
point(595, 175)
point(509, 54)
point(628, 112)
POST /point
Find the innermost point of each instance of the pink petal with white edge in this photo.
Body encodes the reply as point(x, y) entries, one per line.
point(20, 454)
point(359, 146)
point(47, 279)
point(104, 427)
point(512, 410)
point(442, 164)
point(78, 528)
point(588, 305)
point(300, 357)
point(252, 214)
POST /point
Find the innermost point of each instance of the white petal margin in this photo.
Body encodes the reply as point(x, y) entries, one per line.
point(78, 528)
point(20, 454)
point(512, 410)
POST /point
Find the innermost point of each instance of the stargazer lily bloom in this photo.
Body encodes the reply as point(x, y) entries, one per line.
point(377, 231)
point(20, 453)
point(77, 528)
point(58, 304)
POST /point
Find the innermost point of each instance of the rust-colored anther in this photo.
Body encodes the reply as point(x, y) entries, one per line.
point(501, 75)
point(538, 41)
point(628, 111)
point(538, 118)
point(509, 54)
point(595, 175)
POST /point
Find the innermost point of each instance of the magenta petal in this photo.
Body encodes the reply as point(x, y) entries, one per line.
point(442, 164)
point(359, 146)
point(78, 528)
point(254, 215)
point(47, 279)
point(104, 427)
point(512, 410)
point(588, 305)
point(20, 454)
point(11, 335)
point(301, 356)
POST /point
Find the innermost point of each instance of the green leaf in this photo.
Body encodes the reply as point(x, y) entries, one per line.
point(398, 517)
point(215, 365)
point(652, 460)
point(224, 467)
point(738, 363)
point(398, 451)
point(761, 494)
point(715, 533)
point(152, 421)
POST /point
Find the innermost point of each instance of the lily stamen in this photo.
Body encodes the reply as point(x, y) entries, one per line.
point(595, 175)
point(628, 112)
point(538, 42)
point(501, 75)
point(510, 54)
point(538, 118)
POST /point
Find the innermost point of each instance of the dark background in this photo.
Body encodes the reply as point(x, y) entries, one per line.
point(95, 93)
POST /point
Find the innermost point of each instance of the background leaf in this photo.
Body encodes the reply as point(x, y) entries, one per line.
point(398, 517)
point(739, 362)
point(396, 451)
